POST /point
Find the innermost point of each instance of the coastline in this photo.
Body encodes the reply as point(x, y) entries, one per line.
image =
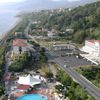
point(12, 28)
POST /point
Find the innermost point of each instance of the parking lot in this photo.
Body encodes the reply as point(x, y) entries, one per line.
point(68, 60)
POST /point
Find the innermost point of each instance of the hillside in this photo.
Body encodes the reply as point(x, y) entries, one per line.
point(85, 20)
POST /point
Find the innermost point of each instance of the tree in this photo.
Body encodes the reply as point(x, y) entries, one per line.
point(79, 37)
point(1, 90)
point(21, 63)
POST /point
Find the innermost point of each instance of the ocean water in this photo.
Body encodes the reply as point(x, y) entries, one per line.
point(7, 21)
point(7, 18)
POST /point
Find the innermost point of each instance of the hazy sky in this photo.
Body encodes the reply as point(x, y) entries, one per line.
point(40, 4)
point(13, 1)
point(63, 0)
point(45, 4)
point(5, 1)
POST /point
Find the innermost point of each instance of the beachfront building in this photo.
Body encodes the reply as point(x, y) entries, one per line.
point(92, 47)
point(19, 46)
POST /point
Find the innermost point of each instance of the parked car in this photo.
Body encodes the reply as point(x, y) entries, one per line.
point(65, 66)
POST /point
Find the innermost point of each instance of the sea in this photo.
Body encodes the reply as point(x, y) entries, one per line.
point(8, 18)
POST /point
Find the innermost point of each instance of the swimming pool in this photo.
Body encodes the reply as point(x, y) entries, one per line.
point(32, 97)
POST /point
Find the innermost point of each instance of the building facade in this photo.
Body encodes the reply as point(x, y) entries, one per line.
point(63, 47)
point(52, 35)
point(19, 46)
point(92, 47)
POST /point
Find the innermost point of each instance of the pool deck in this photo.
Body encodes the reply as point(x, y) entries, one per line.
point(45, 92)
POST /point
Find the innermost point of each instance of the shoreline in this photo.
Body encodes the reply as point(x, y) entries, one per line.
point(11, 29)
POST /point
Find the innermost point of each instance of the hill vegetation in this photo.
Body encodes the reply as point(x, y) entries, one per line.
point(85, 20)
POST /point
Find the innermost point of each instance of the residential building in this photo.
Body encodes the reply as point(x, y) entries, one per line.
point(18, 34)
point(52, 34)
point(92, 47)
point(63, 47)
point(19, 46)
point(70, 31)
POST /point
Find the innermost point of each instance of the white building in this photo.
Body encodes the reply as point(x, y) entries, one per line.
point(52, 34)
point(69, 30)
point(19, 46)
point(92, 47)
point(63, 47)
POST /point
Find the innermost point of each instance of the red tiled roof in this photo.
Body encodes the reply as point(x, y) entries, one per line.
point(93, 41)
point(23, 87)
point(19, 43)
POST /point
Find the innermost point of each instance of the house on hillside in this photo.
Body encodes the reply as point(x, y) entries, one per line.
point(69, 31)
point(52, 34)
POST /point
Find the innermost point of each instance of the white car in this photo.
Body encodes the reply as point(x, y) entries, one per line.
point(65, 66)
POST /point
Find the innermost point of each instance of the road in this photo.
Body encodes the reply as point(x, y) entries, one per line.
point(26, 30)
point(7, 82)
point(88, 86)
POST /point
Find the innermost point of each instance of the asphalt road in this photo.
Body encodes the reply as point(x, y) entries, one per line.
point(26, 31)
point(70, 62)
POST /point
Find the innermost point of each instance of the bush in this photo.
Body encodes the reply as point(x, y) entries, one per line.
point(1, 90)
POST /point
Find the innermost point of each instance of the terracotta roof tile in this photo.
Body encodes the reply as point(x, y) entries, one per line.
point(19, 43)
point(93, 41)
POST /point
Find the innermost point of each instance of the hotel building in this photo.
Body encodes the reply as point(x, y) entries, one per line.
point(92, 47)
